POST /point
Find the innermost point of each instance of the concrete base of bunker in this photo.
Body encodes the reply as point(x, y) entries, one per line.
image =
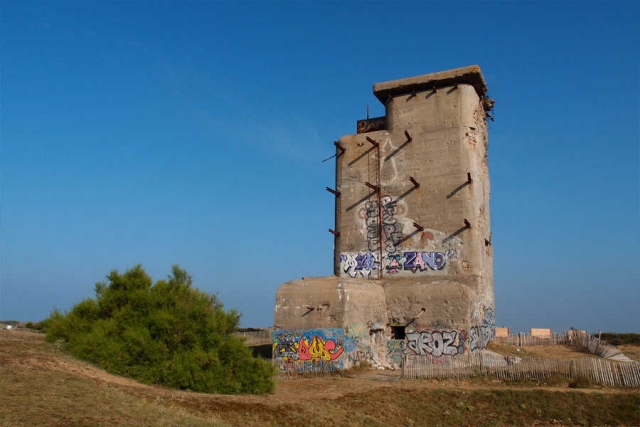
point(347, 322)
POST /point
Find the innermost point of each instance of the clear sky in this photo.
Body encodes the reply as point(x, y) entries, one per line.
point(162, 132)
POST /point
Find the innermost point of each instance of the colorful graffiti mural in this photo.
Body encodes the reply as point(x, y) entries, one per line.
point(436, 343)
point(309, 346)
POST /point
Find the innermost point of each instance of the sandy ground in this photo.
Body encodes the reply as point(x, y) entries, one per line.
point(30, 350)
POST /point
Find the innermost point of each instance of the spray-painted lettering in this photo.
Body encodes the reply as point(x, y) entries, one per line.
point(436, 343)
point(419, 261)
point(485, 332)
point(372, 222)
point(309, 346)
point(358, 263)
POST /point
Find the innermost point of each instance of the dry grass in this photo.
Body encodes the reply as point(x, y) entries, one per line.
point(544, 351)
point(40, 386)
point(631, 351)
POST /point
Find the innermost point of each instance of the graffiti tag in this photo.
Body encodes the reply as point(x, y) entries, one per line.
point(436, 343)
point(288, 347)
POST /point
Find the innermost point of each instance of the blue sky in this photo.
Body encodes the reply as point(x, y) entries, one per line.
point(194, 133)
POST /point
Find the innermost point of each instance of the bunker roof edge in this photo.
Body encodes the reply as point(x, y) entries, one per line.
point(465, 75)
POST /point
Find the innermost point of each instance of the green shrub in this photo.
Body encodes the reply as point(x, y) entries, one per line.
point(167, 333)
point(620, 339)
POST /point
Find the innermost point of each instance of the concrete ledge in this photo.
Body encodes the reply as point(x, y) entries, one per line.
point(466, 75)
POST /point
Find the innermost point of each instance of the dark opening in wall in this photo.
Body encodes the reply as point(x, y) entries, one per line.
point(397, 332)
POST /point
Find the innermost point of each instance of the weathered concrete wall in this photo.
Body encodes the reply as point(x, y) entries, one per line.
point(354, 310)
point(413, 260)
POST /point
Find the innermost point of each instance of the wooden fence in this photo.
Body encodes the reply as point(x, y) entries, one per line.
point(256, 336)
point(525, 340)
point(600, 347)
point(299, 370)
point(601, 371)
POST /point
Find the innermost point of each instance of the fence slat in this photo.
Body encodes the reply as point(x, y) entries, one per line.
point(602, 371)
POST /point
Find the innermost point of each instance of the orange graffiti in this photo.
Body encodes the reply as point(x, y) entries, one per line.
point(318, 349)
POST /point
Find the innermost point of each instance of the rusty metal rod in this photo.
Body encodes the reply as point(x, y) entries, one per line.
point(469, 179)
point(414, 182)
point(373, 142)
point(373, 187)
point(331, 190)
point(338, 146)
point(418, 226)
point(409, 139)
point(334, 232)
point(467, 223)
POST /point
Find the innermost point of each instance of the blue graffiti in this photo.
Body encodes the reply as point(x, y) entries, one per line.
point(415, 261)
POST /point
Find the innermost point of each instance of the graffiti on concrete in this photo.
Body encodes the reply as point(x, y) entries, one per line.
point(372, 222)
point(313, 345)
point(395, 351)
point(483, 333)
point(311, 350)
point(363, 354)
point(382, 229)
point(421, 261)
point(318, 349)
point(394, 266)
point(363, 264)
point(285, 346)
point(418, 261)
point(384, 226)
point(368, 343)
point(391, 233)
point(358, 263)
point(436, 343)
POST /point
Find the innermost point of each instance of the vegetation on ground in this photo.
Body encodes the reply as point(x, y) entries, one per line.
point(168, 333)
point(540, 351)
point(43, 386)
point(620, 339)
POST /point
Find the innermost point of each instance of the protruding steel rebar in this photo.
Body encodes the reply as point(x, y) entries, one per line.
point(409, 139)
point(331, 190)
point(414, 182)
point(334, 232)
point(373, 142)
point(373, 187)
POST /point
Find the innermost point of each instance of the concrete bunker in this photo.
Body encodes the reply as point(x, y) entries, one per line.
point(413, 260)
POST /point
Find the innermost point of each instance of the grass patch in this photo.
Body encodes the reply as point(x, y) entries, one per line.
point(43, 387)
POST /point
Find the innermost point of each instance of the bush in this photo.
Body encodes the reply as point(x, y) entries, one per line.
point(167, 333)
point(620, 339)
